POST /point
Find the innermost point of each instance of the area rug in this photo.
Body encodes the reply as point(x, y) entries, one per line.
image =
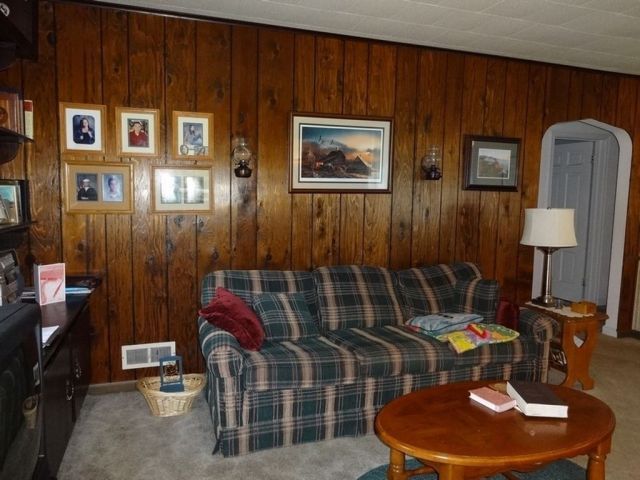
point(560, 470)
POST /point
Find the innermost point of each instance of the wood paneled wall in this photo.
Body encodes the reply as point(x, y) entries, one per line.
point(251, 78)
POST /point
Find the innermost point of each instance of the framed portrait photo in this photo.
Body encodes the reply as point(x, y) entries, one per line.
point(82, 128)
point(137, 131)
point(98, 187)
point(491, 163)
point(181, 189)
point(193, 135)
point(340, 154)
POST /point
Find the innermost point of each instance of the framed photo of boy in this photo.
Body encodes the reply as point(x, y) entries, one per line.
point(491, 163)
point(98, 187)
point(193, 135)
point(181, 190)
point(340, 154)
point(82, 128)
point(137, 131)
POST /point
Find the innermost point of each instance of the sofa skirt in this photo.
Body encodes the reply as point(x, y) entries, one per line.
point(246, 421)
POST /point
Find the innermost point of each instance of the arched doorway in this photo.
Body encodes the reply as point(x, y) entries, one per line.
point(599, 132)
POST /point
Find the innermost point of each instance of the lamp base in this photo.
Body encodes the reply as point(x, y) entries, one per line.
point(545, 301)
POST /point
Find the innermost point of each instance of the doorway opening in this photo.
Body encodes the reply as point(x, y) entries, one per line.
point(586, 165)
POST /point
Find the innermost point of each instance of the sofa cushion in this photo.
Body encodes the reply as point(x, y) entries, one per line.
point(247, 283)
point(478, 296)
point(285, 316)
point(309, 362)
point(394, 350)
point(229, 312)
point(431, 289)
point(356, 296)
point(515, 351)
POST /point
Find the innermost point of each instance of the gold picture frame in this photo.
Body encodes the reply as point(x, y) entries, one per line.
point(137, 131)
point(82, 128)
point(181, 189)
point(193, 135)
point(98, 187)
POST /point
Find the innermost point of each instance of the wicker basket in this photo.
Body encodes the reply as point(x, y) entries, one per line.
point(168, 404)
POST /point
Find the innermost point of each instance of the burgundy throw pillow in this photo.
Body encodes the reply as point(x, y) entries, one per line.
point(508, 314)
point(229, 312)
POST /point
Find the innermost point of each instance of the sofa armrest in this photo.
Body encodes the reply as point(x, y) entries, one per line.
point(222, 353)
point(537, 325)
point(479, 296)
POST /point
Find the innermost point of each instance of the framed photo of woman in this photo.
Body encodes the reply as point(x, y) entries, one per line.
point(82, 128)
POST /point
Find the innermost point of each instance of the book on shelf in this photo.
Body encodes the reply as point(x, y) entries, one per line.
point(537, 399)
point(49, 283)
point(490, 398)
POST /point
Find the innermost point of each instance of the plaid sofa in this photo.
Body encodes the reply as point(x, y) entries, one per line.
point(333, 384)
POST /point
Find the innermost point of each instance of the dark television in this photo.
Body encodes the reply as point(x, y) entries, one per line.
point(21, 417)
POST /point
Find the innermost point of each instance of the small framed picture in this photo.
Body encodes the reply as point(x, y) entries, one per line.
point(82, 128)
point(181, 189)
point(340, 154)
point(98, 187)
point(137, 131)
point(13, 205)
point(11, 116)
point(491, 163)
point(192, 135)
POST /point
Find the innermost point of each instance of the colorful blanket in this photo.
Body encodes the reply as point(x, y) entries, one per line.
point(467, 339)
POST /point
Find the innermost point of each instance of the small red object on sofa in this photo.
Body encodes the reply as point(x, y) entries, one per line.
point(229, 312)
point(508, 314)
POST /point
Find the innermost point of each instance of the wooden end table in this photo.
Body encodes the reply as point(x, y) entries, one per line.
point(577, 357)
point(459, 439)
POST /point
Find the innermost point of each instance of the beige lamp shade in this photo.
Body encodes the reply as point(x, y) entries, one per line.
point(549, 227)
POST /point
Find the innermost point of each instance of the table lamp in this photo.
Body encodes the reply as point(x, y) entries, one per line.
point(548, 229)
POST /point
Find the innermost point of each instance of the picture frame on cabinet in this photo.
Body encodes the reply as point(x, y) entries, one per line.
point(11, 116)
point(82, 128)
point(98, 187)
point(181, 189)
point(491, 163)
point(192, 135)
point(13, 203)
point(340, 154)
point(137, 131)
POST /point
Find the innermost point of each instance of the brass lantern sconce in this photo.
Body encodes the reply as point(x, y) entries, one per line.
point(430, 162)
point(241, 156)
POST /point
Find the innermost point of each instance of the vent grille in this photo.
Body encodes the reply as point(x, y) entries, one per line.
point(146, 354)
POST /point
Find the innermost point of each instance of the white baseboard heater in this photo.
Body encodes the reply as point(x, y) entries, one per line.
point(146, 354)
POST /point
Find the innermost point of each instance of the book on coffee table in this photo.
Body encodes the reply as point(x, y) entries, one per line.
point(490, 398)
point(537, 399)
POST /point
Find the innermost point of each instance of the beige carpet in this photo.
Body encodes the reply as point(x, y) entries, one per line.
point(116, 437)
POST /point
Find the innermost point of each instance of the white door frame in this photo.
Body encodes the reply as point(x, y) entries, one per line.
point(620, 215)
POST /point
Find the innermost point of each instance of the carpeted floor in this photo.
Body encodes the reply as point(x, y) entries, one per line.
point(117, 438)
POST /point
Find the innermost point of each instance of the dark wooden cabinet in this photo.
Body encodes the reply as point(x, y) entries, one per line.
point(67, 370)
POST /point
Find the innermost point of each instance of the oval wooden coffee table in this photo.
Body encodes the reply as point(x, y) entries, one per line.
point(458, 438)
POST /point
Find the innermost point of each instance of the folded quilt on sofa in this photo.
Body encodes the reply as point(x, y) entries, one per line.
point(465, 340)
point(441, 323)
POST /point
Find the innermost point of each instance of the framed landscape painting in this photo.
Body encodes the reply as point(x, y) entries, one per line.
point(340, 154)
point(491, 163)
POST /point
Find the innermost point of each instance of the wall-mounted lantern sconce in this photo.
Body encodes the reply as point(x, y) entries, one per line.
point(429, 164)
point(241, 155)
